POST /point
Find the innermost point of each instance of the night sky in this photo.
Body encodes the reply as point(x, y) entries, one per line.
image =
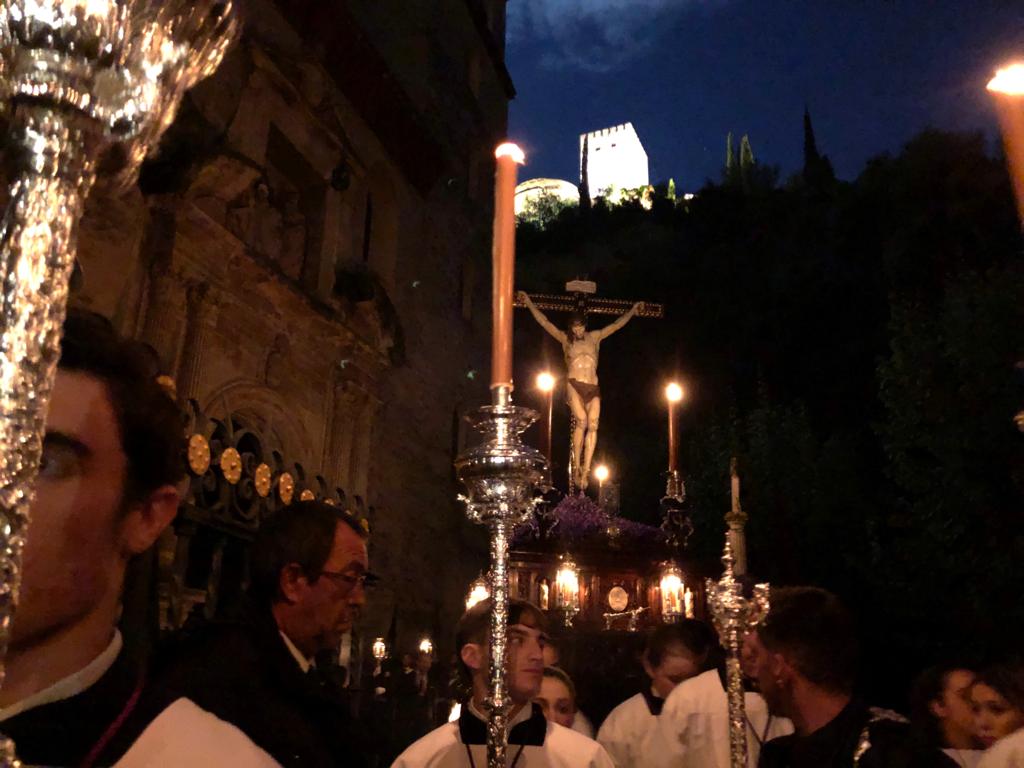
point(686, 72)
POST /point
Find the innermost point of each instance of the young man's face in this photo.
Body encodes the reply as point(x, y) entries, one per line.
point(76, 553)
point(954, 709)
point(525, 654)
point(526, 643)
point(769, 671)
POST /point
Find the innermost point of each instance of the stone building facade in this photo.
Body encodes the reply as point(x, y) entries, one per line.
point(309, 257)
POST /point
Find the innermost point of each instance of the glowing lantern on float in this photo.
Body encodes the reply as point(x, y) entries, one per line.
point(567, 589)
point(479, 590)
point(673, 593)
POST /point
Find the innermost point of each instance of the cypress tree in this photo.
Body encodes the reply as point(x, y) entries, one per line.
point(584, 175)
point(746, 162)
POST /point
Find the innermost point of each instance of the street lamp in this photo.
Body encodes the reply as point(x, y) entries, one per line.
point(546, 384)
point(1007, 89)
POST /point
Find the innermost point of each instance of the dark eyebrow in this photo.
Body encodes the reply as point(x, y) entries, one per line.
point(62, 440)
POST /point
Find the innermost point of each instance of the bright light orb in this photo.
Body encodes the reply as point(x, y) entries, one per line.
point(426, 646)
point(673, 393)
point(601, 472)
point(545, 382)
point(508, 149)
point(1008, 80)
point(479, 591)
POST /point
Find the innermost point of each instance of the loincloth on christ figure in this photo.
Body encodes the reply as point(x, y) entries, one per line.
point(587, 392)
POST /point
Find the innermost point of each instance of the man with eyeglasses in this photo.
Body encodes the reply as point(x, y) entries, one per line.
point(308, 573)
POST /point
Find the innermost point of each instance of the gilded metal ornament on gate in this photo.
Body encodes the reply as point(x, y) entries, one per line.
point(285, 487)
point(263, 480)
point(231, 465)
point(198, 454)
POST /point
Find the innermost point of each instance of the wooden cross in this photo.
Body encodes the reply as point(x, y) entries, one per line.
point(580, 297)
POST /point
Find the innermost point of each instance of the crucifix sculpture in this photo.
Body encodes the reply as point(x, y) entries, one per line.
point(581, 348)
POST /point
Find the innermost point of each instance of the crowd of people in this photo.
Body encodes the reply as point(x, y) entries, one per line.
point(260, 690)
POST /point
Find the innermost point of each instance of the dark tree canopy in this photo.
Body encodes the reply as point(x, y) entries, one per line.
point(855, 345)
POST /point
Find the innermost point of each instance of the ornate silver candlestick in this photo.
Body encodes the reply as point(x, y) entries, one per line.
point(734, 616)
point(500, 476)
point(88, 87)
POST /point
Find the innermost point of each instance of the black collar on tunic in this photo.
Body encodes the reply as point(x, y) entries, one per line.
point(654, 703)
point(530, 732)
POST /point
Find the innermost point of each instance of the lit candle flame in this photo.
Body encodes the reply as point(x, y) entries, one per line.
point(508, 149)
point(1008, 80)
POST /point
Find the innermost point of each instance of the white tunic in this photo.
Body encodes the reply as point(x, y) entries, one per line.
point(625, 730)
point(186, 736)
point(546, 745)
point(581, 724)
point(1008, 752)
point(693, 728)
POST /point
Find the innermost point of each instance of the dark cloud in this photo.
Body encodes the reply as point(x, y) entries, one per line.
point(594, 35)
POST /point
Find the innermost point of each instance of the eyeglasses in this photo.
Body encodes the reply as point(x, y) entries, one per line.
point(352, 580)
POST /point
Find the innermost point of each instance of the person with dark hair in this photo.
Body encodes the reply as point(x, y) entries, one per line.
point(998, 701)
point(534, 741)
point(942, 719)
point(692, 729)
point(308, 572)
point(804, 657)
point(672, 654)
point(557, 697)
point(107, 488)
point(552, 658)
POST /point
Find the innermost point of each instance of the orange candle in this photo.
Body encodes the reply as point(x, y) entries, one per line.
point(503, 255)
point(1007, 88)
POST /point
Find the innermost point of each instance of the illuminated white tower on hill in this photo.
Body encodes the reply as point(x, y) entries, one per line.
point(615, 160)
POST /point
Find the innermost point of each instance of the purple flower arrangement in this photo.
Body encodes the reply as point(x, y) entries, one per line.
point(577, 521)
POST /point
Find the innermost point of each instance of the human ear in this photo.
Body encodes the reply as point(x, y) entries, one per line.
point(472, 655)
point(144, 522)
point(292, 582)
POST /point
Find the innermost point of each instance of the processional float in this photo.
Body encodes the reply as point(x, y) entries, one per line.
point(87, 88)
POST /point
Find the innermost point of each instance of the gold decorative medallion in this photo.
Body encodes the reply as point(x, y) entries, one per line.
point(307, 495)
point(262, 480)
point(198, 454)
point(231, 465)
point(618, 599)
point(285, 487)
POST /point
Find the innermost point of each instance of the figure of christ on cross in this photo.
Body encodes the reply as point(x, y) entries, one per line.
point(581, 348)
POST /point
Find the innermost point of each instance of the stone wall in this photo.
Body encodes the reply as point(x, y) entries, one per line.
point(308, 255)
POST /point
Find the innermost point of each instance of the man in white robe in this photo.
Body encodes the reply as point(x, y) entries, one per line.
point(534, 742)
point(693, 728)
point(673, 653)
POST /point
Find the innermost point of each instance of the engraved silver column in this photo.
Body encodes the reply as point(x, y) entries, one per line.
point(87, 87)
point(734, 616)
point(500, 476)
